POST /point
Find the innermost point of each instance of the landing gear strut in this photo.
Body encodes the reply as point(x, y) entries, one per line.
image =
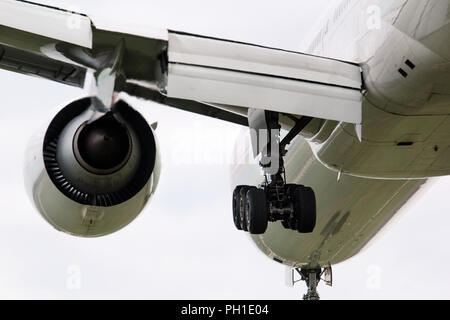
point(312, 277)
point(273, 200)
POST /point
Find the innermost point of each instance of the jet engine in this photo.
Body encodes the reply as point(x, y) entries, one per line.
point(90, 174)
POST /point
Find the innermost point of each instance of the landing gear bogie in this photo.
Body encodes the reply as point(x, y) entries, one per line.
point(293, 205)
point(274, 200)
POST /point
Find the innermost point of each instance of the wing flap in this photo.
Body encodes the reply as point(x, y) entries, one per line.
point(232, 73)
point(217, 53)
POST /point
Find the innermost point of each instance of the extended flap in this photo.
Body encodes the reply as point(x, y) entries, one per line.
point(233, 73)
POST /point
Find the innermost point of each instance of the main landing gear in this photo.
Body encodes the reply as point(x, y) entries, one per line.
point(274, 200)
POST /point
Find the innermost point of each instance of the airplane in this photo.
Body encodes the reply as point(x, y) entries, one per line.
point(343, 135)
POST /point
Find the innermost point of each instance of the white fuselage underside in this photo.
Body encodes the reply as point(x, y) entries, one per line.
point(405, 130)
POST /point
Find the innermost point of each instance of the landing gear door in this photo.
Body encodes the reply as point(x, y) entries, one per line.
point(289, 276)
point(328, 276)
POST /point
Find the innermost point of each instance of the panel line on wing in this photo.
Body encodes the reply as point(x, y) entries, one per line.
point(268, 75)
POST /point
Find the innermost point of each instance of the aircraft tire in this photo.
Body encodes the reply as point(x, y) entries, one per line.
point(242, 207)
point(236, 207)
point(305, 209)
point(256, 211)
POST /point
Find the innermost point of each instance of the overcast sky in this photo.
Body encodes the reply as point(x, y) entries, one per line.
point(184, 244)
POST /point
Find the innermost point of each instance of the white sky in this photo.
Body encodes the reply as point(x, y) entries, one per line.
point(184, 245)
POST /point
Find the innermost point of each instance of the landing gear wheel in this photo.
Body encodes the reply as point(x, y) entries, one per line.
point(256, 211)
point(243, 206)
point(305, 208)
point(236, 207)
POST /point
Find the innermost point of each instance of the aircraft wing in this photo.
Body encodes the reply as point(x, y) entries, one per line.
point(213, 77)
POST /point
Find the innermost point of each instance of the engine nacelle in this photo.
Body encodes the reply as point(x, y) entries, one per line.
point(89, 177)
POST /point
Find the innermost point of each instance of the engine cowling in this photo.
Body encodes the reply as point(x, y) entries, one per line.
point(89, 177)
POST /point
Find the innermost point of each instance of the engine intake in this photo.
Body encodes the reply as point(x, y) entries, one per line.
point(103, 147)
point(96, 175)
